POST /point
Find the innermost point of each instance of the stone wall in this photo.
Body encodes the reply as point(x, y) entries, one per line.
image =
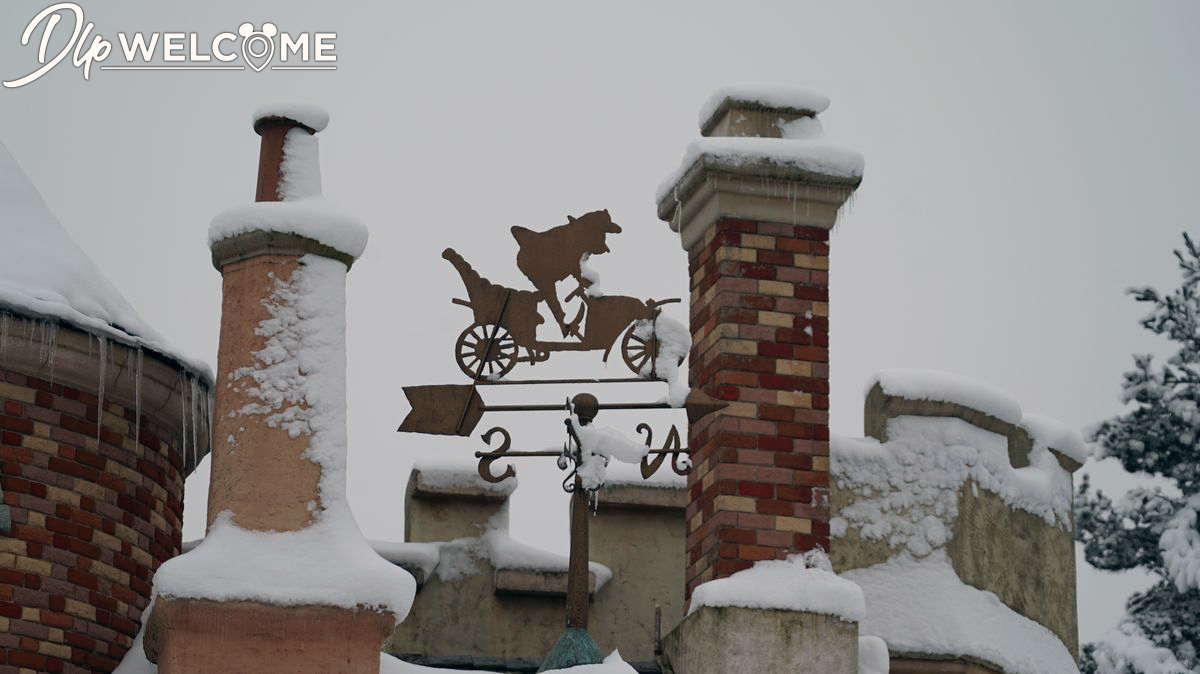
point(95, 510)
point(471, 611)
point(1028, 563)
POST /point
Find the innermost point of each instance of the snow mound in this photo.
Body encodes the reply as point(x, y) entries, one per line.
point(906, 490)
point(424, 556)
point(44, 273)
point(314, 218)
point(1055, 435)
point(328, 563)
point(766, 94)
point(947, 387)
point(873, 657)
point(505, 552)
point(449, 474)
point(799, 583)
point(1126, 648)
point(600, 444)
point(923, 607)
point(817, 156)
point(312, 116)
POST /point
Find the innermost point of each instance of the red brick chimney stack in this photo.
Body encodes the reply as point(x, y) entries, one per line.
point(754, 213)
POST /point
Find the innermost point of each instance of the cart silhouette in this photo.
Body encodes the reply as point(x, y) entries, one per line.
point(506, 321)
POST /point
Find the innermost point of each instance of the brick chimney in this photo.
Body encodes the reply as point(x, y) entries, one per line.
point(754, 202)
point(276, 507)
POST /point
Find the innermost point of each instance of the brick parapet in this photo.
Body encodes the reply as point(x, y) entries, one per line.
point(760, 334)
point(95, 511)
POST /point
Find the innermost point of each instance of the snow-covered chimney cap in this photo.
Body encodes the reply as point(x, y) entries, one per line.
point(310, 117)
point(784, 99)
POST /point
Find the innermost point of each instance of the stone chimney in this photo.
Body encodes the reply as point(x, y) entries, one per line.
point(283, 581)
point(753, 202)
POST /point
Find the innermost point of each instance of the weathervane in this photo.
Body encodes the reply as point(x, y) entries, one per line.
point(504, 333)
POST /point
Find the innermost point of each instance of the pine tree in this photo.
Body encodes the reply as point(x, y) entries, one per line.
point(1154, 529)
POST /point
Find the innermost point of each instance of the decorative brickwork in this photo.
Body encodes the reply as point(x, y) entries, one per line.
point(760, 334)
point(93, 516)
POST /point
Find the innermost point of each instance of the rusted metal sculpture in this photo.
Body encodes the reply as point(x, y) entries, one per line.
point(504, 332)
point(506, 319)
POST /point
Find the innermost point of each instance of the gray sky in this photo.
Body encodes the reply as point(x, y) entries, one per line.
point(1026, 162)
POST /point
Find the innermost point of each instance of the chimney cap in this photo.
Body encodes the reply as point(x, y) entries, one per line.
point(787, 99)
point(308, 117)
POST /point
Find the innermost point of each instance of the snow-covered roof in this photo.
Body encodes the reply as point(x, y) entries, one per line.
point(44, 273)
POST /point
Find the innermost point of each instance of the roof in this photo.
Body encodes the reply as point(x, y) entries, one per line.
point(45, 274)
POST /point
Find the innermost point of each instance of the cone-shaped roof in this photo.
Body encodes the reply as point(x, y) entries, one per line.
point(44, 273)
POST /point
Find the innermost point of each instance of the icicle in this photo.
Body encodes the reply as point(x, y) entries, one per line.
point(195, 435)
point(183, 416)
point(52, 348)
point(137, 398)
point(100, 389)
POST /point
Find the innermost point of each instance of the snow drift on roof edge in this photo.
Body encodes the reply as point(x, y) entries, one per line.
point(44, 272)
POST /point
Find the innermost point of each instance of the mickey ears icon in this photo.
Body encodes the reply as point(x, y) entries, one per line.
point(268, 30)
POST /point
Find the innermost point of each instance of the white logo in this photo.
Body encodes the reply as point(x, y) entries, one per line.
point(176, 51)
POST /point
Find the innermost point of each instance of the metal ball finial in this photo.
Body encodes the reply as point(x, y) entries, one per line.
point(586, 407)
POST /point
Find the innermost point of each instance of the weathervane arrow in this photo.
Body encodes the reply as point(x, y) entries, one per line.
point(442, 409)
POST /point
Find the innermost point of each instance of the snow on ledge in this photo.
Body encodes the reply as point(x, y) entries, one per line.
point(921, 607)
point(1055, 435)
point(445, 474)
point(312, 116)
point(314, 218)
point(328, 563)
point(799, 583)
point(949, 387)
point(766, 94)
point(818, 156)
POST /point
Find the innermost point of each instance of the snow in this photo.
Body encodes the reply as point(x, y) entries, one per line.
point(600, 444)
point(947, 387)
point(1056, 435)
point(300, 170)
point(314, 218)
point(299, 384)
point(505, 552)
point(799, 583)
point(424, 556)
point(921, 606)
point(45, 274)
point(311, 116)
point(327, 563)
point(1127, 648)
point(817, 156)
point(765, 94)
point(873, 656)
point(906, 490)
point(674, 344)
point(591, 276)
point(302, 210)
point(446, 474)
point(1180, 546)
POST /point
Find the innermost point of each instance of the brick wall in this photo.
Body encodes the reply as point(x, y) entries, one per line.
point(760, 334)
point(91, 522)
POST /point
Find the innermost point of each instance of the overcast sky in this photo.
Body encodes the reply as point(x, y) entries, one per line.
point(1025, 163)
